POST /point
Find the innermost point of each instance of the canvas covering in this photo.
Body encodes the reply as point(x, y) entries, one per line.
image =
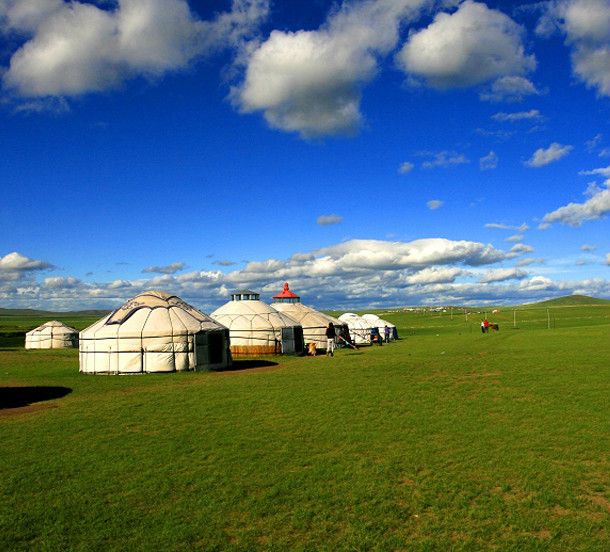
point(359, 328)
point(255, 327)
point(314, 322)
point(154, 332)
point(51, 335)
point(379, 323)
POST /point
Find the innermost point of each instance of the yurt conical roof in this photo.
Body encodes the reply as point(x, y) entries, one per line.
point(51, 335)
point(314, 322)
point(154, 332)
point(256, 327)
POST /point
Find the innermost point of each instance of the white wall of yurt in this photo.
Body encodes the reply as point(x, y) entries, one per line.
point(51, 335)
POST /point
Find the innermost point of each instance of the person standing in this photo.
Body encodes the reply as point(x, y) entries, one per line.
point(482, 326)
point(330, 339)
point(486, 324)
point(386, 333)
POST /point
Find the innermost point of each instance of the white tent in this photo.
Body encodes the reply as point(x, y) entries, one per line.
point(359, 328)
point(257, 328)
point(314, 323)
point(51, 335)
point(380, 323)
point(154, 332)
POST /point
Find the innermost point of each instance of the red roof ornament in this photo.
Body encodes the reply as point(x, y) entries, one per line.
point(286, 293)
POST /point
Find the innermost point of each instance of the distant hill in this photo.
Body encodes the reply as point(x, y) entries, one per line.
point(570, 301)
point(33, 312)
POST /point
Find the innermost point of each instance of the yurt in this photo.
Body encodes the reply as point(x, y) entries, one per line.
point(314, 323)
point(380, 323)
point(51, 335)
point(154, 332)
point(359, 328)
point(257, 328)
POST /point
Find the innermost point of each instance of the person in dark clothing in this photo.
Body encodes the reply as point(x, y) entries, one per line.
point(330, 339)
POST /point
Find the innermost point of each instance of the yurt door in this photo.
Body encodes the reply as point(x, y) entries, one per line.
point(292, 340)
point(201, 350)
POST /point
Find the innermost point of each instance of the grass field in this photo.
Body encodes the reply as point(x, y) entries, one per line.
point(447, 439)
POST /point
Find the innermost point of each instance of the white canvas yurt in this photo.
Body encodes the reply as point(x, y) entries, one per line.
point(359, 328)
point(154, 332)
point(51, 335)
point(380, 323)
point(257, 328)
point(314, 323)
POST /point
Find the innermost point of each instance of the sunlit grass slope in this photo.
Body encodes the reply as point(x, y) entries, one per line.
point(448, 439)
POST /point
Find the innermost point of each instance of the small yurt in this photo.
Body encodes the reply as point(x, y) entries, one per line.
point(359, 328)
point(52, 335)
point(154, 332)
point(314, 323)
point(257, 328)
point(380, 323)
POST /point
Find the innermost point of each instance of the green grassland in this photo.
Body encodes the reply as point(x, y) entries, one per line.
point(446, 440)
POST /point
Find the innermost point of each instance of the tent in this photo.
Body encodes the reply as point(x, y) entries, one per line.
point(380, 323)
point(257, 328)
point(154, 332)
point(359, 328)
point(314, 323)
point(51, 335)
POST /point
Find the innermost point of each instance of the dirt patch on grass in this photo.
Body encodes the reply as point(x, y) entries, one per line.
point(18, 411)
point(602, 501)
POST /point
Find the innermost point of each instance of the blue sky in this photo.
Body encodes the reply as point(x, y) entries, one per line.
point(384, 153)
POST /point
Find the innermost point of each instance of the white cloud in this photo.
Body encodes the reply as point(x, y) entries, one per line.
point(16, 262)
point(76, 47)
point(501, 275)
point(542, 156)
point(310, 82)
point(406, 167)
point(608, 259)
point(509, 89)
point(588, 247)
point(517, 116)
point(586, 24)
point(489, 161)
point(515, 238)
point(471, 46)
point(166, 269)
point(603, 171)
point(434, 204)
point(529, 261)
point(574, 214)
point(499, 226)
point(443, 159)
point(520, 248)
point(434, 276)
point(327, 220)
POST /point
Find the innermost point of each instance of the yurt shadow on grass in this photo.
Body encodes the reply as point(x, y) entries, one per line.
point(154, 332)
point(18, 397)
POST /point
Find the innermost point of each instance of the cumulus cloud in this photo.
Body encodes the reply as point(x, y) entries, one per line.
point(310, 82)
point(586, 25)
point(588, 247)
point(434, 276)
point(167, 269)
point(224, 263)
point(434, 204)
point(520, 248)
point(517, 116)
point(501, 275)
point(471, 46)
point(608, 259)
point(509, 89)
point(575, 214)
point(489, 161)
point(545, 156)
point(16, 262)
point(406, 167)
point(327, 220)
point(74, 47)
point(443, 159)
point(530, 260)
point(602, 171)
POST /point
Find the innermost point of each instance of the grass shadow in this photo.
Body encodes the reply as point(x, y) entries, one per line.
point(249, 364)
point(18, 397)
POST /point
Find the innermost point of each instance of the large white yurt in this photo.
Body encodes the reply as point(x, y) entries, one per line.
point(314, 323)
point(257, 328)
point(380, 323)
point(154, 332)
point(51, 335)
point(359, 328)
